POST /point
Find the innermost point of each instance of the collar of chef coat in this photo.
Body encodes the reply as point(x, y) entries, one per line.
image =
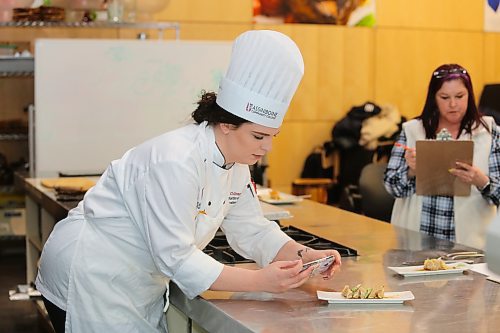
point(218, 158)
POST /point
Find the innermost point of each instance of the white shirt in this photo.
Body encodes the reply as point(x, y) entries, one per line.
point(145, 222)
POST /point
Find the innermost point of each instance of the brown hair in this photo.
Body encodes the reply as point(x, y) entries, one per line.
point(208, 110)
point(430, 113)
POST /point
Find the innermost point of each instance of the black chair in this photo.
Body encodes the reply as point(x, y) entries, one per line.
point(489, 102)
point(376, 202)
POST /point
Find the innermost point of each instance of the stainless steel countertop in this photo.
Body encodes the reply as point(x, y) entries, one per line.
point(448, 303)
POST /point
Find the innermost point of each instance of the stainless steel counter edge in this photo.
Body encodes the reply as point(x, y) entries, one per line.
point(47, 199)
point(204, 313)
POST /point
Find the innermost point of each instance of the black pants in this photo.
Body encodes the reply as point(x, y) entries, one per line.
point(57, 316)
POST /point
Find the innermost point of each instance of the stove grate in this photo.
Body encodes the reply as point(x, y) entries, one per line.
point(220, 250)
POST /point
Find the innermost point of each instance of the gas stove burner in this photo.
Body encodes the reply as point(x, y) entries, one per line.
point(316, 242)
point(219, 242)
point(302, 239)
point(220, 250)
point(225, 254)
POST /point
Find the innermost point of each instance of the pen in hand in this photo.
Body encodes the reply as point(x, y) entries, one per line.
point(410, 157)
point(397, 144)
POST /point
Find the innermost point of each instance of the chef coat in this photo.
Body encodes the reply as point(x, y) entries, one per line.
point(145, 223)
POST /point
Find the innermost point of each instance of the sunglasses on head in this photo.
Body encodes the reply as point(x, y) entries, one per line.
point(447, 72)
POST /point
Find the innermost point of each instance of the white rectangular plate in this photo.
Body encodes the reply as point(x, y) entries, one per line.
point(419, 270)
point(263, 194)
point(389, 298)
point(274, 212)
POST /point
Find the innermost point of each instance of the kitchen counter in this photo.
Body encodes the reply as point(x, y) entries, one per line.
point(455, 303)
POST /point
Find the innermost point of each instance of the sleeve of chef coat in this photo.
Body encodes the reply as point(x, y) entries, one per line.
point(249, 233)
point(163, 204)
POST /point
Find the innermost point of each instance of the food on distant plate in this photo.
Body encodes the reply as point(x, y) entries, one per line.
point(270, 195)
point(360, 292)
point(68, 184)
point(274, 195)
point(435, 265)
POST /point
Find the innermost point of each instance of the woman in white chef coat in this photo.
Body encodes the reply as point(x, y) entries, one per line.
point(106, 267)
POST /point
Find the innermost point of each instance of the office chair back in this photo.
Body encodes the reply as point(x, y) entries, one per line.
point(376, 202)
point(489, 102)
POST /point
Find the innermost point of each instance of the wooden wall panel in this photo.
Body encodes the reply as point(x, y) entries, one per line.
point(431, 14)
point(193, 31)
point(219, 11)
point(339, 69)
point(201, 31)
point(329, 63)
point(304, 106)
point(358, 68)
point(491, 65)
point(290, 149)
point(405, 60)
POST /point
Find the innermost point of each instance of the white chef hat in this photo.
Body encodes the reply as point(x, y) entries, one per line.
point(264, 72)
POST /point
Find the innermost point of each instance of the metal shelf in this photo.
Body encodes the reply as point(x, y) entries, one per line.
point(16, 74)
point(17, 66)
point(161, 26)
point(24, 66)
point(13, 137)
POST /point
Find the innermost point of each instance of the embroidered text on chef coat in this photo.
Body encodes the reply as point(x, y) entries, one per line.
point(233, 197)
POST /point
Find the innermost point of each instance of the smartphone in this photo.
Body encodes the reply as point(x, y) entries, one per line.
point(321, 264)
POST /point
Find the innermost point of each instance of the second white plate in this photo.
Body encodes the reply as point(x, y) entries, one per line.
point(419, 270)
point(389, 298)
point(284, 198)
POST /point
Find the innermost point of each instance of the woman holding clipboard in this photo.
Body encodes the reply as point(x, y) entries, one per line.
point(450, 105)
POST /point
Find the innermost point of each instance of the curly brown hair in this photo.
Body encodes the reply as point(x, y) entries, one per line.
point(208, 110)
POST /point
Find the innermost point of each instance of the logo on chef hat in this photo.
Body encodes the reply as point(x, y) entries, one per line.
point(264, 72)
point(260, 111)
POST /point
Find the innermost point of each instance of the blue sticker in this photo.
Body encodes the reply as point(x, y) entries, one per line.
point(494, 4)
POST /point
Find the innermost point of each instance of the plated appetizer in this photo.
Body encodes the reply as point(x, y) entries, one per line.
point(275, 195)
point(435, 265)
point(360, 292)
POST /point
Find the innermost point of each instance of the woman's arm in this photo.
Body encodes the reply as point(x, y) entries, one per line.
point(492, 192)
point(276, 277)
point(399, 180)
point(282, 274)
point(470, 174)
point(489, 186)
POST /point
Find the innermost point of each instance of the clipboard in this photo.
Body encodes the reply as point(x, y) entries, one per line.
point(434, 159)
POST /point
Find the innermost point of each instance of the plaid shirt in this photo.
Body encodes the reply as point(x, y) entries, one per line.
point(437, 216)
